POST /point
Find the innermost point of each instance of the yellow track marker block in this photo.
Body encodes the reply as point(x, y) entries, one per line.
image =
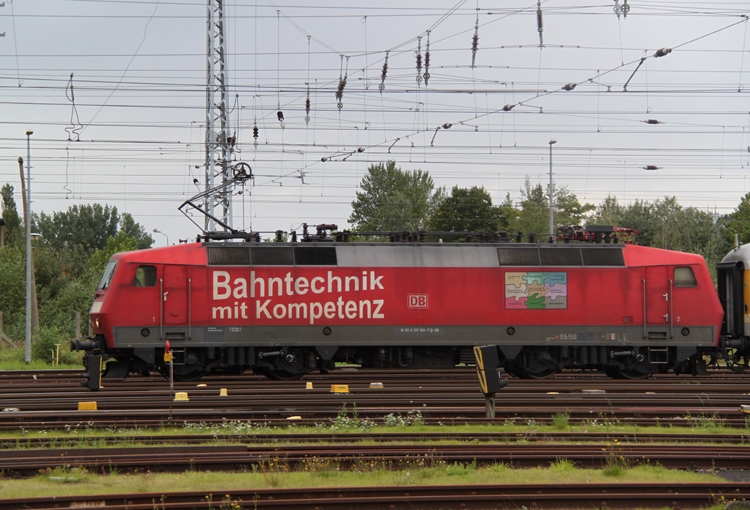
point(339, 388)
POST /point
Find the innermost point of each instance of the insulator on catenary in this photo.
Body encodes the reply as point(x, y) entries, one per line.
point(475, 41)
point(384, 73)
point(342, 82)
point(663, 52)
point(427, 60)
point(340, 92)
point(651, 167)
point(569, 86)
point(255, 135)
point(307, 109)
point(280, 116)
point(419, 60)
point(539, 22)
point(508, 107)
point(652, 121)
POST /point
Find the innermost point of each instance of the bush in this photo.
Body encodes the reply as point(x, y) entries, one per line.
point(43, 345)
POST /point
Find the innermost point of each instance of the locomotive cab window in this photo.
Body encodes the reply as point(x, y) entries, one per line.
point(107, 277)
point(684, 277)
point(145, 276)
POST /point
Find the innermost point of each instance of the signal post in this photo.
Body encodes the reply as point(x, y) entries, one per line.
point(490, 375)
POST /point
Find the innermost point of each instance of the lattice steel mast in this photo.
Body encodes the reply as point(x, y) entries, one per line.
point(219, 143)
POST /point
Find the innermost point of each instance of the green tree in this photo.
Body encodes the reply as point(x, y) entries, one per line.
point(394, 200)
point(10, 214)
point(533, 215)
point(89, 227)
point(135, 231)
point(67, 269)
point(13, 289)
point(119, 243)
point(737, 222)
point(665, 224)
point(609, 212)
point(467, 210)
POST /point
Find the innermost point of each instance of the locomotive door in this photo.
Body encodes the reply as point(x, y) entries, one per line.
point(175, 294)
point(657, 295)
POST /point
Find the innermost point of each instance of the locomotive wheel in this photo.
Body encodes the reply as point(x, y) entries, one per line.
point(544, 374)
point(278, 375)
point(625, 373)
point(189, 377)
point(192, 376)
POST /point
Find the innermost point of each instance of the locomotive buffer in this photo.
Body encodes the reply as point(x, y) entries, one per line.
point(490, 375)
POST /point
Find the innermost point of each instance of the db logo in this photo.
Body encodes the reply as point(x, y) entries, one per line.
point(417, 300)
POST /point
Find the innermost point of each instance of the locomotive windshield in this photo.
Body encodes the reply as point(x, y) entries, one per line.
point(108, 272)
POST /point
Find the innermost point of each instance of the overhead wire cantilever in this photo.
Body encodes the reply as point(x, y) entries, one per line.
point(241, 172)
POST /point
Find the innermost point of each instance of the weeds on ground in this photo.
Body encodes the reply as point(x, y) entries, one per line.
point(434, 474)
point(616, 464)
point(66, 474)
point(606, 422)
point(561, 421)
point(228, 427)
point(713, 424)
point(563, 465)
point(461, 469)
point(343, 423)
point(412, 419)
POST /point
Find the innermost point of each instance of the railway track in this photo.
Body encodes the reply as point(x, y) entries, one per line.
point(425, 497)
point(246, 458)
point(370, 437)
point(51, 402)
point(52, 399)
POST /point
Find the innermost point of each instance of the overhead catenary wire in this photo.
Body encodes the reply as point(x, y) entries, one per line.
point(446, 87)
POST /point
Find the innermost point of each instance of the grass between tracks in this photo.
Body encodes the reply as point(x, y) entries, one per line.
point(328, 473)
point(325, 473)
point(86, 434)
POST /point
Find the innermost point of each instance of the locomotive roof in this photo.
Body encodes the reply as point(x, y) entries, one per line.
point(410, 255)
point(739, 254)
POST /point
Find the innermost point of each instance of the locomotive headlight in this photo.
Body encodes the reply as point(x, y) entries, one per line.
point(96, 322)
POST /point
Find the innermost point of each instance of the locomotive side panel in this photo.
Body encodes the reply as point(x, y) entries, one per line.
point(289, 308)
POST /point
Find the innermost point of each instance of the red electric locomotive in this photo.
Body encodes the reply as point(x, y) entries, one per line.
point(285, 308)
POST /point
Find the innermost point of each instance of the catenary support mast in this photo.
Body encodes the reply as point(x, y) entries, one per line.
point(219, 143)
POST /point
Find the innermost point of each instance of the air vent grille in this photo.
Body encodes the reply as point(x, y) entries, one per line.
point(315, 256)
point(228, 256)
point(518, 256)
point(561, 257)
point(273, 256)
point(603, 257)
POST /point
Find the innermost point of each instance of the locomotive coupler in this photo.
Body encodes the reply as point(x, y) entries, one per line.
point(82, 345)
point(741, 344)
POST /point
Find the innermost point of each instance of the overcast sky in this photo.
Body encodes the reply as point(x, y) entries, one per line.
point(128, 129)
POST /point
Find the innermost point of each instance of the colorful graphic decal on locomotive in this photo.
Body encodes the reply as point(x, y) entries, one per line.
point(536, 290)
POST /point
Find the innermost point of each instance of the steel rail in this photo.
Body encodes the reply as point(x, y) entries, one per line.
point(426, 497)
point(25, 463)
point(264, 418)
point(377, 437)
